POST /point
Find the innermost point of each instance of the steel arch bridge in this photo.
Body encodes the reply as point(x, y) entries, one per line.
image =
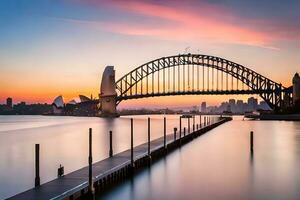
point(195, 74)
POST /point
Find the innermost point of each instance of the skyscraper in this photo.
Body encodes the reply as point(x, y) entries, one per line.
point(252, 103)
point(239, 106)
point(203, 107)
point(9, 102)
point(232, 105)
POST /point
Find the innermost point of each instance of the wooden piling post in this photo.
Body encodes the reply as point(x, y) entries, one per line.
point(131, 143)
point(149, 151)
point(175, 129)
point(91, 191)
point(200, 121)
point(37, 165)
point(110, 144)
point(180, 127)
point(165, 133)
point(251, 141)
point(184, 131)
point(189, 125)
point(193, 123)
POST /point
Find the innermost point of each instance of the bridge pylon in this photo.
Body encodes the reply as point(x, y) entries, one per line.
point(108, 93)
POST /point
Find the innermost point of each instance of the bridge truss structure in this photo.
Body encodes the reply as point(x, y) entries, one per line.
point(194, 74)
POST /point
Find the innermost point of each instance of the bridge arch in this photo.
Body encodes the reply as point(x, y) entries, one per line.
point(195, 74)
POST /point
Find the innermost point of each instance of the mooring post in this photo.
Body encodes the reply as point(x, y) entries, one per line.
point(197, 127)
point(110, 144)
point(184, 131)
point(165, 132)
point(180, 127)
point(149, 153)
point(131, 143)
point(175, 129)
point(37, 165)
point(200, 121)
point(204, 123)
point(193, 123)
point(91, 190)
point(251, 141)
point(189, 125)
point(180, 138)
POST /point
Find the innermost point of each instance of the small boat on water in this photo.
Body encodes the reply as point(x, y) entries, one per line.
point(252, 115)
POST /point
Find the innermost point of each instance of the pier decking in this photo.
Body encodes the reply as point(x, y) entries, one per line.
point(110, 170)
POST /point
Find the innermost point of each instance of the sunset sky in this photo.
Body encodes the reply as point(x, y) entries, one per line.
point(61, 47)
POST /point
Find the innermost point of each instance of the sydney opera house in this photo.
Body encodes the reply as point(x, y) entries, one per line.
point(82, 106)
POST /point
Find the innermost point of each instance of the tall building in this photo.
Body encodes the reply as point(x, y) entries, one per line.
point(296, 89)
point(232, 105)
point(240, 106)
point(9, 102)
point(252, 103)
point(195, 109)
point(203, 107)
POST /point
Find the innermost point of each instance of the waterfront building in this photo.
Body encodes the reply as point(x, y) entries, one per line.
point(252, 103)
point(296, 89)
point(9, 102)
point(58, 105)
point(84, 98)
point(232, 105)
point(239, 106)
point(203, 107)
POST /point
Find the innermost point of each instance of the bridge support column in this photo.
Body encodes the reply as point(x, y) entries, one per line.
point(108, 106)
point(108, 93)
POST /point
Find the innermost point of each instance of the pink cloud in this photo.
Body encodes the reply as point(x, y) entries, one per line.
point(208, 22)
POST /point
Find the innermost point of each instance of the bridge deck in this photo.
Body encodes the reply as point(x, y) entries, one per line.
point(193, 92)
point(75, 181)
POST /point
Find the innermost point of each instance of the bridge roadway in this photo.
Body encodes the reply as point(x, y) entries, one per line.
point(195, 92)
point(74, 184)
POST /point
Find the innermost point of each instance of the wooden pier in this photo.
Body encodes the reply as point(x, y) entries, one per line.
point(114, 169)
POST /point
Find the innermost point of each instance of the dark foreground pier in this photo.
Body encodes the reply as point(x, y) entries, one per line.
point(117, 167)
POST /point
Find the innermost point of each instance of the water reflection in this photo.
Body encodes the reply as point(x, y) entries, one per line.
point(219, 165)
point(64, 140)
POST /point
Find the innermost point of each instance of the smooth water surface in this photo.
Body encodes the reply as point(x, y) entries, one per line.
point(218, 165)
point(64, 140)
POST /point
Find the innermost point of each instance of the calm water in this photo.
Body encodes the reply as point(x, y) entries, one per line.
point(63, 140)
point(218, 165)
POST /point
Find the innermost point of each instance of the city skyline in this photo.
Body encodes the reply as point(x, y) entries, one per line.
point(46, 62)
point(201, 106)
point(149, 99)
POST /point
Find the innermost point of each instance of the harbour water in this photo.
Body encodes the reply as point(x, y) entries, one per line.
point(217, 165)
point(64, 140)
